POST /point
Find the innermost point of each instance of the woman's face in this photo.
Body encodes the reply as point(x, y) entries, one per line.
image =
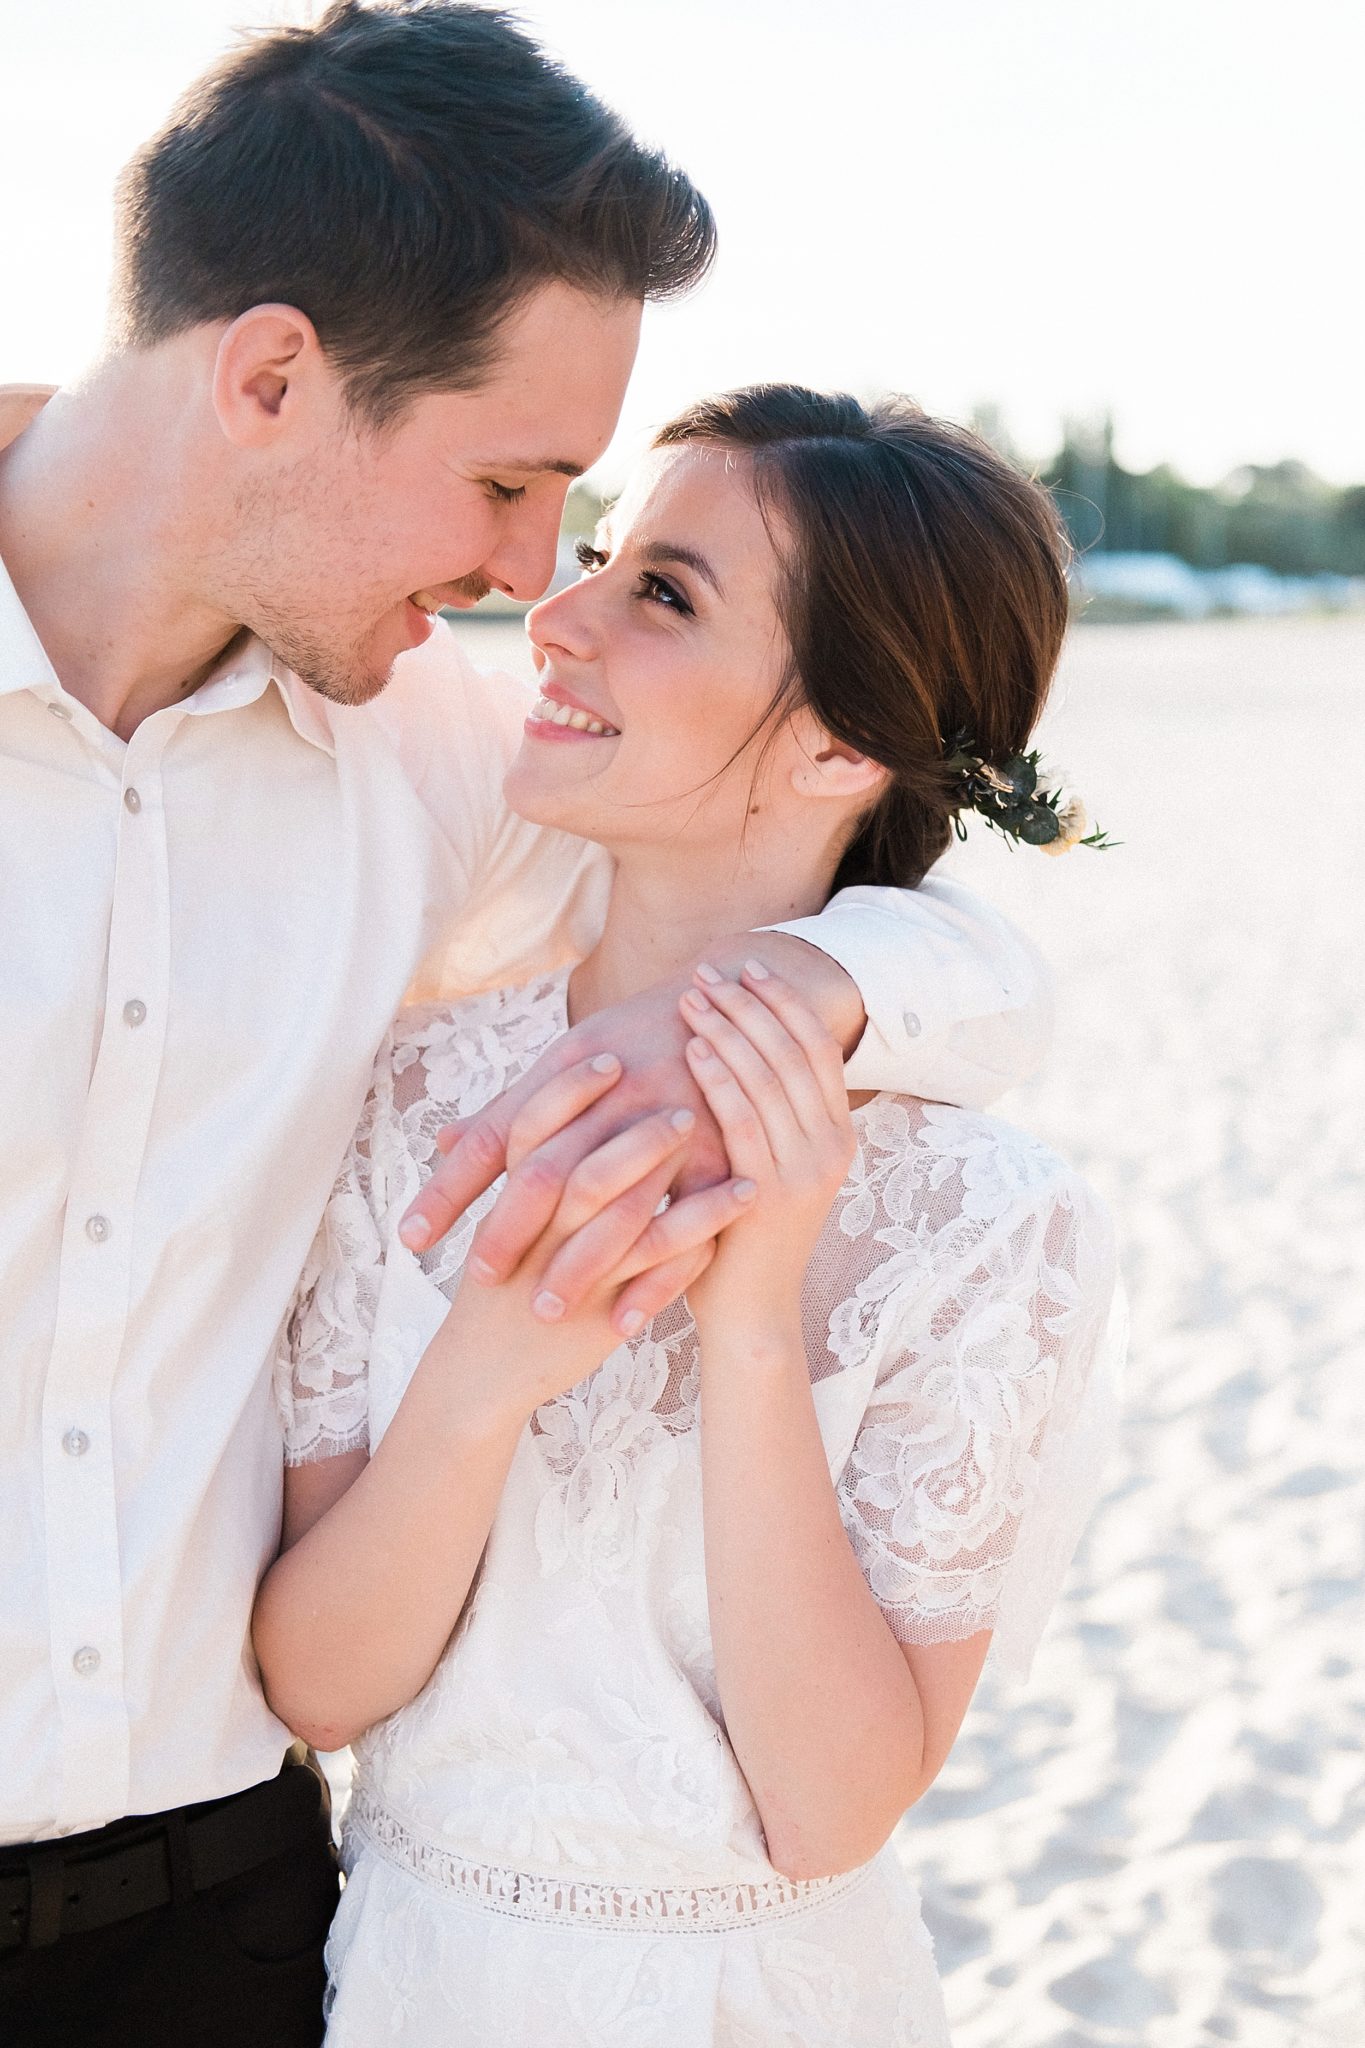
point(672, 647)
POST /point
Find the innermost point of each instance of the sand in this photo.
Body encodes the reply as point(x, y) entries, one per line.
point(1162, 1840)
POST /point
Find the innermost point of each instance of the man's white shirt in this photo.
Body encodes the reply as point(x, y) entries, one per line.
point(206, 932)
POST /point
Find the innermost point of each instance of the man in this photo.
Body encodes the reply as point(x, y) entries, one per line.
point(378, 294)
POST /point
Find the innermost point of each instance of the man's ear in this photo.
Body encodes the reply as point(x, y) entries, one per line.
point(269, 359)
point(830, 767)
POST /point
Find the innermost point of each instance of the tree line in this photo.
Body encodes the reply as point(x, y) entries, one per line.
point(1279, 516)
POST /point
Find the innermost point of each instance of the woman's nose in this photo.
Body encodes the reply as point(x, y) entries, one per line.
point(563, 621)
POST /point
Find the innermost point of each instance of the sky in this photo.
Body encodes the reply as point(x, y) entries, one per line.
point(1055, 206)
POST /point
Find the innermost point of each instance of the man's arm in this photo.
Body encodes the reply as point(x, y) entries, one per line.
point(958, 1002)
point(922, 948)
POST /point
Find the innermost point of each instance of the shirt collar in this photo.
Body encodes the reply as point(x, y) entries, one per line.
point(24, 664)
point(245, 672)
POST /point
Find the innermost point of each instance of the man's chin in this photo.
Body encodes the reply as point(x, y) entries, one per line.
point(354, 677)
point(349, 687)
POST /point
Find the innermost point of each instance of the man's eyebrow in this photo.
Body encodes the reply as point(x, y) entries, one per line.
point(532, 465)
point(663, 551)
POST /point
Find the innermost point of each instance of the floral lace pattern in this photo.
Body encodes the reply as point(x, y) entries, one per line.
point(571, 1742)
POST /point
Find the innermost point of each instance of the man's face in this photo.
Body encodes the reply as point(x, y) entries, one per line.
point(336, 537)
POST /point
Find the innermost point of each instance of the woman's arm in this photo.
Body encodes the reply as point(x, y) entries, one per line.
point(380, 1551)
point(939, 995)
point(837, 1728)
point(352, 1618)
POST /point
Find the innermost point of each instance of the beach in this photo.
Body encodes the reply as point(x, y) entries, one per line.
point(1161, 1840)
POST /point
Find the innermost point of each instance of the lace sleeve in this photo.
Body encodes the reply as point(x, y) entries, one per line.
point(979, 1456)
point(321, 1366)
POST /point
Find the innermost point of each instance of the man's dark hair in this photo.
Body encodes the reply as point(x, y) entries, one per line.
point(404, 174)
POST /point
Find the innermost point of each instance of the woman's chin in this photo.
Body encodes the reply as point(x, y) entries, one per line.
point(536, 798)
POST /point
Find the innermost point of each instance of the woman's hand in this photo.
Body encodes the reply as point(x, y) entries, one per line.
point(539, 1132)
point(507, 1348)
point(773, 1078)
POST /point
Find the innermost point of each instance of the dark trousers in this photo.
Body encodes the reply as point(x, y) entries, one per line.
point(237, 1964)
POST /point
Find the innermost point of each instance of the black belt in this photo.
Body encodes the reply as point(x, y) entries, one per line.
point(74, 1886)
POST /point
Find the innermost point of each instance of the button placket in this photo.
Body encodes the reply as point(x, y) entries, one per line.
point(86, 1595)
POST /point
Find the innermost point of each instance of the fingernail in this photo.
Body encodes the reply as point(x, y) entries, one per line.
point(482, 1272)
point(682, 1119)
point(632, 1322)
point(706, 972)
point(695, 1000)
point(415, 1232)
point(699, 1049)
point(548, 1306)
point(755, 970)
point(745, 1190)
point(605, 1063)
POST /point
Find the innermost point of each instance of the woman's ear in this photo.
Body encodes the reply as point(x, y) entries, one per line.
point(830, 767)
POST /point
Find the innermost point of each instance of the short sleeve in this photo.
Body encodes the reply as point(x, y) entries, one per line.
point(980, 1454)
point(322, 1362)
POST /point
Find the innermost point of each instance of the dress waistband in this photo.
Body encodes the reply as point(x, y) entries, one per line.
point(627, 1909)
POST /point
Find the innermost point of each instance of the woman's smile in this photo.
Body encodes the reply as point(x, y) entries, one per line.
point(556, 715)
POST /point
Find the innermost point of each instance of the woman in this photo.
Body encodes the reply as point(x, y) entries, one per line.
point(733, 1582)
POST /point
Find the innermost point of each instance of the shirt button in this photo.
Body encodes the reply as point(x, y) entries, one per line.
point(97, 1228)
point(60, 711)
point(75, 1443)
point(86, 1661)
point(132, 801)
point(912, 1024)
point(135, 1013)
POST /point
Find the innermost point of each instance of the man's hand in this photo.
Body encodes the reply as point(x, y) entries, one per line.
point(617, 1067)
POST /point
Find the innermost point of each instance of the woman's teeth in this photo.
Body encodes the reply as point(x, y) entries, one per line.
point(564, 714)
point(425, 602)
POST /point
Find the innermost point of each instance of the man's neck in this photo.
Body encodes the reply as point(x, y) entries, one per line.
point(93, 534)
point(666, 908)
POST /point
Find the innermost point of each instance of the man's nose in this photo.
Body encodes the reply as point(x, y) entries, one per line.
point(523, 562)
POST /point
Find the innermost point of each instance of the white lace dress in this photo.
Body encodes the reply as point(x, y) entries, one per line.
point(553, 1846)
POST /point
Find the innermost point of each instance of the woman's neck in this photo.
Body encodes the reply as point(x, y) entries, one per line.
point(668, 905)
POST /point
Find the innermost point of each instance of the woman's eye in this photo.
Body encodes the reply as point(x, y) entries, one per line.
point(657, 589)
point(588, 556)
point(507, 494)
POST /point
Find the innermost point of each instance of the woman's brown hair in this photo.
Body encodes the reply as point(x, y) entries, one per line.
point(923, 594)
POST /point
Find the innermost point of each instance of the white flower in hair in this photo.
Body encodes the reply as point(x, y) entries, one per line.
point(1052, 779)
point(1074, 820)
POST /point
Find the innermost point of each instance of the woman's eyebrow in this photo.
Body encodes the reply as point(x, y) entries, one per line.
point(660, 552)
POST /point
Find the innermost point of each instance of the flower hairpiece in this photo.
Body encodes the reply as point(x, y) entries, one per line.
point(1026, 798)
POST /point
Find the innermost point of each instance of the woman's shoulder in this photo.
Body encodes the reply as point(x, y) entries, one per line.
point(932, 1160)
